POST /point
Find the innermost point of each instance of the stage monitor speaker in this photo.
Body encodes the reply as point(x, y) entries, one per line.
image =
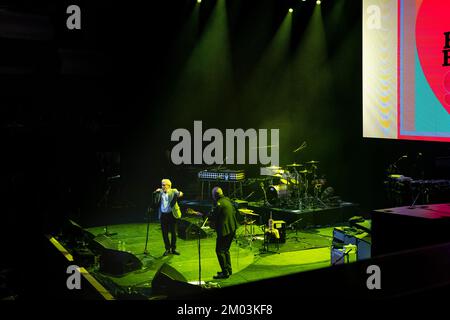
point(102, 242)
point(170, 282)
point(74, 234)
point(117, 263)
point(188, 229)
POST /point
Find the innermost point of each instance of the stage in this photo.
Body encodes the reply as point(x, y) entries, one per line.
point(302, 250)
point(303, 260)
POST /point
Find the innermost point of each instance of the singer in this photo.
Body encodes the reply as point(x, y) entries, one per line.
point(165, 203)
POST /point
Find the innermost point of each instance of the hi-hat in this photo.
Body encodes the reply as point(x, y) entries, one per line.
point(313, 162)
point(294, 165)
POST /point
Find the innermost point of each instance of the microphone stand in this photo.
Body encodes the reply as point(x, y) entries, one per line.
point(149, 210)
point(146, 237)
point(199, 259)
point(105, 201)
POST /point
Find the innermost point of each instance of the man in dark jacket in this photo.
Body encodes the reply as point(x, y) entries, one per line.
point(225, 224)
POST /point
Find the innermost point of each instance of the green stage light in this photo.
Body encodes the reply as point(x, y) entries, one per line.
point(318, 2)
point(291, 10)
point(199, 1)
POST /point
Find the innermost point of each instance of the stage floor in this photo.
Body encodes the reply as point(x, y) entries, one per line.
point(303, 250)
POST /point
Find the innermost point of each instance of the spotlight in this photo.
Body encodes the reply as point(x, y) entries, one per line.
point(199, 1)
point(291, 10)
point(318, 2)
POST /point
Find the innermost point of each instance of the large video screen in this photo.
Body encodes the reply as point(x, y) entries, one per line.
point(406, 69)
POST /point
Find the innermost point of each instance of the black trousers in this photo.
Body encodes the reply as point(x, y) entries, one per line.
point(168, 224)
point(223, 244)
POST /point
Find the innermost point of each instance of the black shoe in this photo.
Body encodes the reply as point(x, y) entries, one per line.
point(221, 275)
point(175, 252)
point(166, 253)
point(230, 272)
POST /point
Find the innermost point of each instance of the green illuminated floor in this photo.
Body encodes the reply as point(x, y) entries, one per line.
point(303, 250)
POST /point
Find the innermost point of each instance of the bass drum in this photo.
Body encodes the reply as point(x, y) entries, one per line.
point(277, 193)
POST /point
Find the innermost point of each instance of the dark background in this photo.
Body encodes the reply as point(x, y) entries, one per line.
point(83, 105)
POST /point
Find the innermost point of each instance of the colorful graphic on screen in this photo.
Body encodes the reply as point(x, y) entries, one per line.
point(406, 69)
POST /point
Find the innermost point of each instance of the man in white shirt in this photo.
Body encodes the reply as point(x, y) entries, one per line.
point(166, 204)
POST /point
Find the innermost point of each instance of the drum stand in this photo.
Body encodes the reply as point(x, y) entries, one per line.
point(248, 231)
point(317, 202)
point(305, 196)
point(299, 195)
point(249, 224)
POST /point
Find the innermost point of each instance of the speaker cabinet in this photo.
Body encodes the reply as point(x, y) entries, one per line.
point(117, 263)
point(170, 282)
point(188, 229)
point(113, 261)
point(102, 242)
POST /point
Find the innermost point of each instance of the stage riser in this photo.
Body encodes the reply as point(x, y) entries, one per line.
point(305, 218)
point(308, 218)
point(402, 228)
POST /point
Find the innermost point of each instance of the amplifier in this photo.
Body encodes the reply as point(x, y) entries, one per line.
point(346, 254)
point(345, 236)
point(280, 226)
point(221, 175)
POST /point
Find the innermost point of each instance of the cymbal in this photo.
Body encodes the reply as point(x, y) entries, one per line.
point(248, 212)
point(294, 165)
point(313, 162)
point(279, 175)
point(304, 171)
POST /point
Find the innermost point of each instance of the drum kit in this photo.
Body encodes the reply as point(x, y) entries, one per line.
point(294, 185)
